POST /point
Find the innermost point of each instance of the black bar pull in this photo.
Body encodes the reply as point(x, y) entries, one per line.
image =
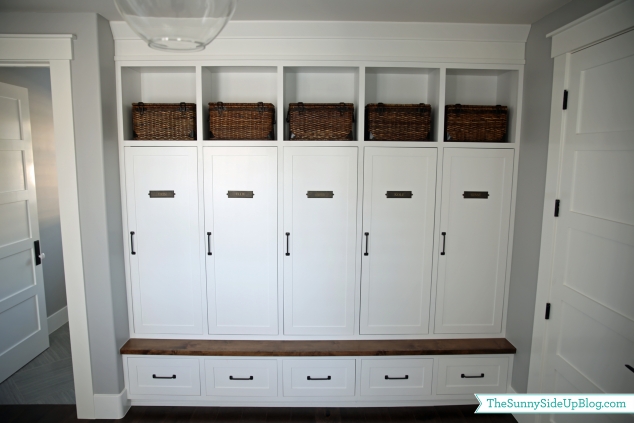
point(38, 253)
point(367, 237)
point(208, 243)
point(318, 378)
point(240, 378)
point(163, 377)
point(288, 234)
point(132, 243)
point(444, 238)
point(547, 316)
point(565, 105)
point(630, 367)
point(557, 204)
point(396, 378)
point(472, 377)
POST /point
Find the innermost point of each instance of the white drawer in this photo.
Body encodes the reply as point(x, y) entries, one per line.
point(407, 376)
point(241, 378)
point(319, 378)
point(164, 376)
point(470, 375)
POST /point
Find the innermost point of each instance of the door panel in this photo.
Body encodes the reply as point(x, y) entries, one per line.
point(167, 290)
point(23, 323)
point(475, 214)
point(242, 269)
point(396, 272)
point(319, 270)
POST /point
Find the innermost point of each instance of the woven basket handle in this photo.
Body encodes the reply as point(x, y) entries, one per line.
point(182, 107)
point(260, 107)
point(380, 108)
point(141, 107)
point(220, 107)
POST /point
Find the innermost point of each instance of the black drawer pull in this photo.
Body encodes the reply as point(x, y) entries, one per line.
point(163, 377)
point(367, 237)
point(318, 378)
point(444, 238)
point(396, 378)
point(472, 377)
point(288, 234)
point(630, 367)
point(132, 243)
point(240, 378)
point(208, 243)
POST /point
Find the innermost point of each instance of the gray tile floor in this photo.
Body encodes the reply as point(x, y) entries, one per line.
point(47, 379)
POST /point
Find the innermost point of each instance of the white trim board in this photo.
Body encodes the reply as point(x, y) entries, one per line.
point(57, 319)
point(112, 406)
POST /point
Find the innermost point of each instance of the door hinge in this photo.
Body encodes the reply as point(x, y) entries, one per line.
point(557, 202)
point(565, 99)
point(547, 311)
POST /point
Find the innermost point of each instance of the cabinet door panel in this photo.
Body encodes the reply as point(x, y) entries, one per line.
point(396, 273)
point(476, 205)
point(167, 290)
point(319, 272)
point(241, 215)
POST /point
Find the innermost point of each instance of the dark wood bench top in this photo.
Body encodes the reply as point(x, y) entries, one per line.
point(318, 348)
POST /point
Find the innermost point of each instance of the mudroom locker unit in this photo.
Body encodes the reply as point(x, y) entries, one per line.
point(317, 273)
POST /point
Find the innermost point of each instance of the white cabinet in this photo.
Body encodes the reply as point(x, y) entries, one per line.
point(163, 376)
point(320, 208)
point(163, 240)
point(474, 226)
point(398, 223)
point(396, 377)
point(469, 375)
point(240, 189)
point(241, 377)
point(319, 378)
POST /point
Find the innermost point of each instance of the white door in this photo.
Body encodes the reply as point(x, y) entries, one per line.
point(398, 224)
point(164, 239)
point(474, 226)
point(590, 339)
point(23, 324)
point(241, 239)
point(320, 223)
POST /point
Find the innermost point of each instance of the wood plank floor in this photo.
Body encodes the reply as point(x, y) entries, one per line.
point(448, 414)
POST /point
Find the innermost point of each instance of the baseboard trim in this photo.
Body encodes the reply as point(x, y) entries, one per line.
point(112, 406)
point(57, 319)
point(522, 418)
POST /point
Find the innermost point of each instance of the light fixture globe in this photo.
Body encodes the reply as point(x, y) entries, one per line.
point(177, 25)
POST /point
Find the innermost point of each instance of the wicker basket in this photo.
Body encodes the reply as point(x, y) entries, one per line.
point(320, 121)
point(241, 121)
point(476, 123)
point(398, 122)
point(164, 121)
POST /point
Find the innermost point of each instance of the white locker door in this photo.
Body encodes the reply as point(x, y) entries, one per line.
point(241, 238)
point(320, 208)
point(398, 224)
point(474, 225)
point(164, 239)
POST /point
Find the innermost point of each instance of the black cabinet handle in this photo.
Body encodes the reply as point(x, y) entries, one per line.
point(163, 377)
point(132, 243)
point(396, 378)
point(472, 377)
point(288, 234)
point(240, 378)
point(208, 243)
point(38, 253)
point(367, 237)
point(444, 238)
point(630, 367)
point(318, 378)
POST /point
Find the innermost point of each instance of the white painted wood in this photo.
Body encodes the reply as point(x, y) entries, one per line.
point(112, 406)
point(23, 322)
point(398, 238)
point(57, 319)
point(455, 375)
point(396, 377)
point(590, 337)
point(165, 256)
point(242, 266)
point(164, 376)
point(241, 377)
point(471, 276)
point(319, 268)
point(319, 378)
point(41, 47)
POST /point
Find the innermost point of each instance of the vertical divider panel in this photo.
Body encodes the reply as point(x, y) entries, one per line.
point(199, 106)
point(361, 107)
point(439, 122)
point(281, 116)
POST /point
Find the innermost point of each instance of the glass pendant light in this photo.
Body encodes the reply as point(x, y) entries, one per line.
point(177, 25)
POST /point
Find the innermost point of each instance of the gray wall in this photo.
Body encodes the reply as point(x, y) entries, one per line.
point(38, 82)
point(538, 74)
point(93, 85)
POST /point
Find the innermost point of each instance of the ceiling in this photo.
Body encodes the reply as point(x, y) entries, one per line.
point(462, 11)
